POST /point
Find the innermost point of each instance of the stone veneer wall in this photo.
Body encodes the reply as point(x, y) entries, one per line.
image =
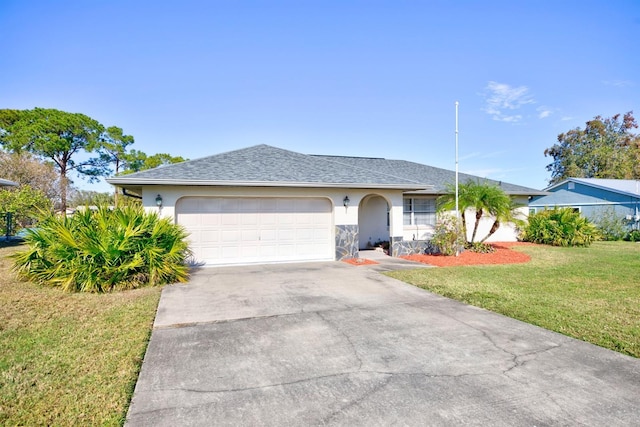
point(399, 247)
point(347, 242)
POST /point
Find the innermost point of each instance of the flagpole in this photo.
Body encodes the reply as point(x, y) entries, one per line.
point(457, 207)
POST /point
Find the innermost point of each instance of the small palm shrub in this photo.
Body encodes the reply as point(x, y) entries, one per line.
point(448, 237)
point(104, 250)
point(560, 227)
point(632, 236)
point(480, 248)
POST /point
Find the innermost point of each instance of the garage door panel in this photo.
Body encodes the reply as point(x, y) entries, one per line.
point(249, 237)
point(249, 219)
point(209, 220)
point(190, 220)
point(269, 235)
point(243, 230)
point(210, 253)
point(229, 236)
point(320, 234)
point(209, 235)
point(288, 250)
point(229, 219)
point(268, 219)
point(286, 219)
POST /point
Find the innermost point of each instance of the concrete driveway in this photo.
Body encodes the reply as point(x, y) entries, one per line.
point(334, 344)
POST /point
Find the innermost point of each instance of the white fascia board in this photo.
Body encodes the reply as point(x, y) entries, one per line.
point(509, 193)
point(603, 203)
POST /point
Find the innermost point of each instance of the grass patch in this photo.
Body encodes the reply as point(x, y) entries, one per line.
point(68, 358)
point(592, 294)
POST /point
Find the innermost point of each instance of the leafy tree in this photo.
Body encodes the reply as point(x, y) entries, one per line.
point(136, 161)
point(25, 169)
point(483, 199)
point(90, 198)
point(114, 150)
point(58, 136)
point(26, 204)
point(605, 148)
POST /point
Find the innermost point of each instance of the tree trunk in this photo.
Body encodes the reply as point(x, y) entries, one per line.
point(115, 194)
point(464, 225)
point(494, 228)
point(475, 226)
point(63, 191)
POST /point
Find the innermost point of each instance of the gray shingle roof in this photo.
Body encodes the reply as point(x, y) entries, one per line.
point(437, 177)
point(264, 165)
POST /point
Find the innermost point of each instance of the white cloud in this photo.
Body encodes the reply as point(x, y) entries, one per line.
point(544, 112)
point(502, 98)
point(618, 83)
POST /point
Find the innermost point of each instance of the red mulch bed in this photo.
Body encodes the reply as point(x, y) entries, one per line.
point(502, 255)
point(360, 261)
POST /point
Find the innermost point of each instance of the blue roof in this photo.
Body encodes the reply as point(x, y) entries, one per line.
point(627, 187)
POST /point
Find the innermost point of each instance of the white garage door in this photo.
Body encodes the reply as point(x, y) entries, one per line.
point(256, 230)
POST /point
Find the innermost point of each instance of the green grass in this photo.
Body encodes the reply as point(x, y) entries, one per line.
point(592, 294)
point(69, 358)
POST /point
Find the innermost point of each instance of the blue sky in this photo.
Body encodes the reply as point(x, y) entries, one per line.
point(362, 78)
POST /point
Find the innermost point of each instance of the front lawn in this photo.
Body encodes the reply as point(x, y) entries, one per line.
point(69, 358)
point(592, 294)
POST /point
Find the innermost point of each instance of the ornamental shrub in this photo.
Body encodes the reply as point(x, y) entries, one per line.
point(448, 237)
point(611, 225)
point(104, 250)
point(633, 236)
point(560, 227)
point(480, 248)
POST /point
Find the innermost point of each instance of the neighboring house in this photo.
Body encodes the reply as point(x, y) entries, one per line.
point(7, 183)
point(266, 204)
point(593, 198)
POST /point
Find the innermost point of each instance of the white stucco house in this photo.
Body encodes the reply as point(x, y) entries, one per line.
point(265, 204)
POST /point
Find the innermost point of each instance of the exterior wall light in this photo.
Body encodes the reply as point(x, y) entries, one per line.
point(159, 201)
point(346, 201)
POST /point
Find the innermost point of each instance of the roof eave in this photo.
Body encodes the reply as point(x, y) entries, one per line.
point(510, 193)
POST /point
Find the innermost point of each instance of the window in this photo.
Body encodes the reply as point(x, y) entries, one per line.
point(419, 211)
point(532, 211)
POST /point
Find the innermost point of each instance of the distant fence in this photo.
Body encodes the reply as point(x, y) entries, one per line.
point(7, 225)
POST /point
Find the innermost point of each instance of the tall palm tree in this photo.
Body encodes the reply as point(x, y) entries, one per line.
point(503, 213)
point(482, 197)
point(466, 200)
